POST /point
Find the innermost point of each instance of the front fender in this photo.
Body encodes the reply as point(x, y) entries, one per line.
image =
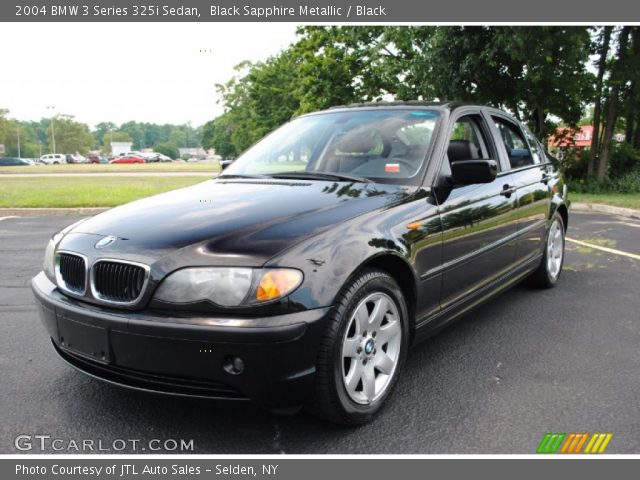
point(330, 259)
point(559, 197)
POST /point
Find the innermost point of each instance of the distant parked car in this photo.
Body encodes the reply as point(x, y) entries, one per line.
point(93, 158)
point(128, 159)
point(53, 159)
point(163, 158)
point(14, 162)
point(148, 156)
point(75, 158)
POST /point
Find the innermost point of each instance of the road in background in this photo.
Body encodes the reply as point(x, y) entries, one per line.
point(114, 174)
point(530, 362)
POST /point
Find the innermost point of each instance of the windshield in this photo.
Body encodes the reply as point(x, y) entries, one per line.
point(387, 145)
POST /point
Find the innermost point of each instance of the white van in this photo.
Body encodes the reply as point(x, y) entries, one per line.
point(53, 158)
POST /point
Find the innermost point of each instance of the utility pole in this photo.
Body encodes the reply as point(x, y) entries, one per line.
point(18, 129)
point(53, 133)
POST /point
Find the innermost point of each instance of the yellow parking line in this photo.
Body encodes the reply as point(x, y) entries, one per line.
point(605, 249)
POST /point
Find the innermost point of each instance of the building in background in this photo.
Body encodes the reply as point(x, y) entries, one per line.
point(565, 137)
point(193, 152)
point(575, 138)
point(120, 148)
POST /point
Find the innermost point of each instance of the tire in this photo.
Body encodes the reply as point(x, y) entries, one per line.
point(352, 353)
point(547, 274)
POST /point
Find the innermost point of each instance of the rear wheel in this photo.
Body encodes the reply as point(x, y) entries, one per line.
point(550, 267)
point(362, 351)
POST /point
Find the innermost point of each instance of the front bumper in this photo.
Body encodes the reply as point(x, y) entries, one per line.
point(186, 355)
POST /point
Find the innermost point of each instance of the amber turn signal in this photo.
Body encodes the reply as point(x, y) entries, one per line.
point(277, 283)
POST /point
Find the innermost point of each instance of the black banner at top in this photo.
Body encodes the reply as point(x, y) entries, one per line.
point(311, 11)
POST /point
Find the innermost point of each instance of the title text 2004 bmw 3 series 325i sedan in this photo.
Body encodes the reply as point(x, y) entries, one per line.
point(302, 275)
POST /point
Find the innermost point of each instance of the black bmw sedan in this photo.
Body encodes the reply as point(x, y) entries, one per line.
point(302, 274)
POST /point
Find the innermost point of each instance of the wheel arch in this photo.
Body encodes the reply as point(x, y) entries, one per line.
point(400, 270)
point(564, 213)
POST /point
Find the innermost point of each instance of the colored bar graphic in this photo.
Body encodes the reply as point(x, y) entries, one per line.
point(580, 443)
point(573, 443)
point(598, 443)
point(550, 443)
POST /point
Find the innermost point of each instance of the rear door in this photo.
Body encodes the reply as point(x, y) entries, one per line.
point(479, 220)
point(532, 194)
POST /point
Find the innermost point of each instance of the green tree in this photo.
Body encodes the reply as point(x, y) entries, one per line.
point(178, 137)
point(535, 72)
point(217, 134)
point(136, 133)
point(169, 149)
point(617, 83)
point(4, 126)
point(601, 48)
point(70, 136)
point(208, 131)
point(100, 131)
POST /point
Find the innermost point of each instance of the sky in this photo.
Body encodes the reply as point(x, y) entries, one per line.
point(147, 72)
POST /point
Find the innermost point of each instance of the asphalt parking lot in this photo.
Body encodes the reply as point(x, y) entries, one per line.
point(530, 362)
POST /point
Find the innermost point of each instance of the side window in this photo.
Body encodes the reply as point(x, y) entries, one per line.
point(536, 151)
point(468, 140)
point(514, 143)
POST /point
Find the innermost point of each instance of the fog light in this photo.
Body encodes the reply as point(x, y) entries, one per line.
point(233, 365)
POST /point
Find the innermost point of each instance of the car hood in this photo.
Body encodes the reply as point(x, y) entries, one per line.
point(229, 221)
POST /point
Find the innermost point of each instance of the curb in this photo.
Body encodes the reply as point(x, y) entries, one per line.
point(600, 208)
point(40, 212)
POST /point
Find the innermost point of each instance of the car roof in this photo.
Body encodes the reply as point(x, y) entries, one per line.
point(448, 105)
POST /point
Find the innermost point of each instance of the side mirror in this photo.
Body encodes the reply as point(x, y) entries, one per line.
point(466, 172)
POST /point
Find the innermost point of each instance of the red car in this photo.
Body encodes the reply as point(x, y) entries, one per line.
point(128, 159)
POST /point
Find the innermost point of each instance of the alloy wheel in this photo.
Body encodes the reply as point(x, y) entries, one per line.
point(371, 348)
point(555, 250)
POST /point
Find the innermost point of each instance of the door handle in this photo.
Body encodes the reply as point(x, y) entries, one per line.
point(507, 190)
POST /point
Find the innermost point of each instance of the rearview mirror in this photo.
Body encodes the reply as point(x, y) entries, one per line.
point(467, 172)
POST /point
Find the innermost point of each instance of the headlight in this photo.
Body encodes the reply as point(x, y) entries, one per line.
point(49, 266)
point(228, 287)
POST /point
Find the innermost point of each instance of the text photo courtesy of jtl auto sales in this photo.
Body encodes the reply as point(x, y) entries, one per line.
point(319, 239)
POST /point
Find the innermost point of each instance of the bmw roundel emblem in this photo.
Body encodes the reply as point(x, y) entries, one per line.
point(105, 242)
point(368, 347)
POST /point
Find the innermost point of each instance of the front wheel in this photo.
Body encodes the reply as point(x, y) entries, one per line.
point(550, 267)
point(362, 351)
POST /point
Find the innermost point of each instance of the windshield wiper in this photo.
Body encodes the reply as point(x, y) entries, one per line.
point(224, 177)
point(320, 176)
